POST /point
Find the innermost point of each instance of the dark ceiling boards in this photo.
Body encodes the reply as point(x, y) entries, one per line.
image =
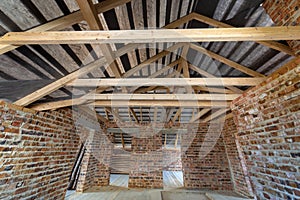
point(48, 62)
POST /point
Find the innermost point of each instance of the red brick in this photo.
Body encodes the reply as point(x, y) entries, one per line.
point(279, 137)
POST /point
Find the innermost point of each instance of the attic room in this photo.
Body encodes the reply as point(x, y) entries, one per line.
point(150, 99)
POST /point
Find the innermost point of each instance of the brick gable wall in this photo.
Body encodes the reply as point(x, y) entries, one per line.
point(268, 123)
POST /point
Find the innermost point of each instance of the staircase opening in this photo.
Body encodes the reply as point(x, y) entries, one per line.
point(73, 179)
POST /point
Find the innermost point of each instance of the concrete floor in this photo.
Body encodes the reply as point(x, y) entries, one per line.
point(119, 193)
point(173, 183)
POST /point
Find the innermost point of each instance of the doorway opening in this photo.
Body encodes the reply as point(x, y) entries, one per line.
point(173, 179)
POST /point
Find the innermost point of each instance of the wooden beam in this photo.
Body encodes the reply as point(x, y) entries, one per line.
point(174, 24)
point(159, 72)
point(208, 75)
point(133, 103)
point(90, 14)
point(158, 97)
point(141, 115)
point(214, 90)
point(272, 44)
point(141, 90)
point(92, 113)
point(152, 59)
point(185, 52)
point(216, 114)
point(113, 82)
point(199, 115)
point(59, 83)
point(153, 36)
point(106, 114)
point(176, 141)
point(164, 69)
point(226, 61)
point(129, 115)
point(114, 113)
point(176, 115)
point(179, 22)
point(66, 21)
point(134, 115)
point(185, 67)
point(101, 118)
point(149, 103)
point(123, 142)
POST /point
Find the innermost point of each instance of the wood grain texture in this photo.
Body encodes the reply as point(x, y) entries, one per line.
point(153, 36)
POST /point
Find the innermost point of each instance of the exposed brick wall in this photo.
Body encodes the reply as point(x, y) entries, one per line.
point(172, 160)
point(205, 168)
point(95, 168)
point(37, 152)
point(239, 172)
point(268, 122)
point(285, 13)
point(147, 161)
point(121, 160)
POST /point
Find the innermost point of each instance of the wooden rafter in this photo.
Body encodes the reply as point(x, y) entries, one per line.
point(182, 65)
point(134, 115)
point(59, 83)
point(114, 113)
point(226, 61)
point(176, 140)
point(64, 22)
point(199, 114)
point(141, 114)
point(216, 114)
point(177, 114)
point(101, 118)
point(122, 139)
point(185, 52)
point(68, 20)
point(185, 67)
point(165, 69)
point(208, 75)
point(82, 71)
point(90, 14)
point(120, 52)
point(129, 115)
point(92, 113)
point(129, 47)
point(106, 114)
point(153, 36)
point(271, 44)
point(214, 90)
point(152, 59)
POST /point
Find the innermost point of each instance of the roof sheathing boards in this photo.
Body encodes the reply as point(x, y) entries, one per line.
point(54, 61)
